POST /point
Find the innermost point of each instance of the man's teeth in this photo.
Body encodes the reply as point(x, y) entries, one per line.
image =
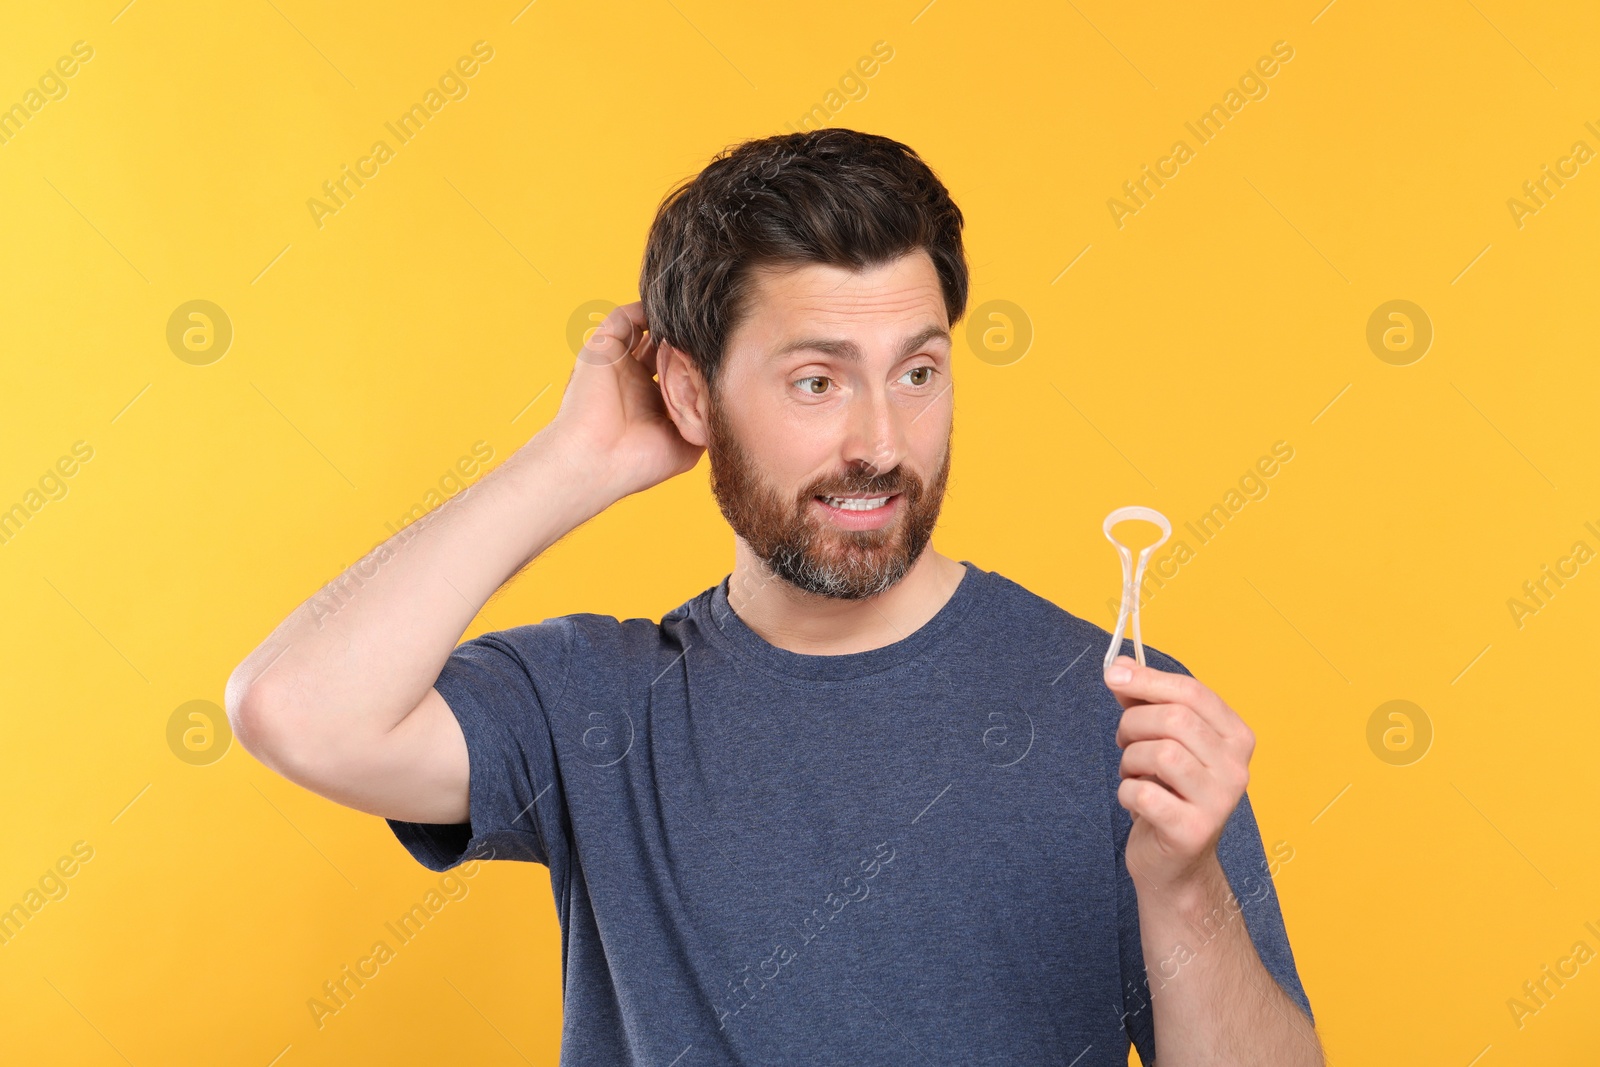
point(865, 504)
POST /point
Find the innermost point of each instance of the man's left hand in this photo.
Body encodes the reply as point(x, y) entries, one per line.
point(1185, 764)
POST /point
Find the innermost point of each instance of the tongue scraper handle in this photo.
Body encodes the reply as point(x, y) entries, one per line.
point(1132, 578)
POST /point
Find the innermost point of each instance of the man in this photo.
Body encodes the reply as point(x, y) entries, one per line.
point(856, 802)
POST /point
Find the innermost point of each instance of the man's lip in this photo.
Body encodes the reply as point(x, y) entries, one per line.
point(856, 496)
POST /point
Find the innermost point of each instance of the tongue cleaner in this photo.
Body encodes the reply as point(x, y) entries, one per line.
point(1131, 577)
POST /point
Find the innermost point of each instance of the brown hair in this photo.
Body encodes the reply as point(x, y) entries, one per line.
point(832, 196)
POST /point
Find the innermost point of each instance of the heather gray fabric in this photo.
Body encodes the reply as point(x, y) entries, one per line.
point(911, 855)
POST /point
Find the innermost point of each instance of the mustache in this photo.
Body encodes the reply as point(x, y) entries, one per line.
point(896, 482)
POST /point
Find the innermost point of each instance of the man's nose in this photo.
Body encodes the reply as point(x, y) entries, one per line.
point(876, 439)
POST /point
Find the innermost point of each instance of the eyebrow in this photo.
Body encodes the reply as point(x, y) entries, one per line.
point(848, 350)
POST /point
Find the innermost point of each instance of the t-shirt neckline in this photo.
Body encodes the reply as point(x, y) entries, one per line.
point(726, 628)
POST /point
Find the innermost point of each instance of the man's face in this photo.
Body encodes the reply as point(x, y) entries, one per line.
point(836, 385)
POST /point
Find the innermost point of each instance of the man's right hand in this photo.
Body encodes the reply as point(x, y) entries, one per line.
point(612, 414)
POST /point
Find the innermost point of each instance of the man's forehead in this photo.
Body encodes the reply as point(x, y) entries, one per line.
point(820, 306)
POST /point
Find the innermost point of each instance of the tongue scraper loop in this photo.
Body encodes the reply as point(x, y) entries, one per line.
point(1131, 578)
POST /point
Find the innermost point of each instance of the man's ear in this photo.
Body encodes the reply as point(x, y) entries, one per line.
point(684, 393)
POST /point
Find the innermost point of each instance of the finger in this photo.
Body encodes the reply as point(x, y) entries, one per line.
point(630, 321)
point(646, 353)
point(1146, 685)
point(1151, 801)
point(603, 347)
point(1148, 722)
point(618, 334)
point(1127, 700)
point(1174, 766)
point(1179, 828)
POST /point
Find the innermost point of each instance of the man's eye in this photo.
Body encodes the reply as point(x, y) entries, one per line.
point(926, 372)
point(814, 378)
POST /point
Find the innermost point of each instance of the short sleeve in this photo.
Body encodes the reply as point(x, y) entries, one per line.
point(502, 688)
point(1244, 861)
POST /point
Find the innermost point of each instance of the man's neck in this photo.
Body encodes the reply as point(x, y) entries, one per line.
point(815, 625)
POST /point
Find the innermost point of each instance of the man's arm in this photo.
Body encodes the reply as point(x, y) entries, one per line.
point(340, 697)
point(1185, 764)
point(1212, 999)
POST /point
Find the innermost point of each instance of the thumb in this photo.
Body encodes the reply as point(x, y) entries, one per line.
point(1123, 699)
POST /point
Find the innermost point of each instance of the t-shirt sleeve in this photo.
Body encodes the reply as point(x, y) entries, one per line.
point(502, 688)
point(1243, 860)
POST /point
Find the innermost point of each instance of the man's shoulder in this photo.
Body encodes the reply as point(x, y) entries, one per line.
point(596, 633)
point(600, 655)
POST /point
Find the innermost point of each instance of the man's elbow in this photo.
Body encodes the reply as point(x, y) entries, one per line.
point(273, 724)
point(258, 715)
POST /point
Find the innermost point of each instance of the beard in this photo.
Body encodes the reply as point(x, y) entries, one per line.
point(797, 542)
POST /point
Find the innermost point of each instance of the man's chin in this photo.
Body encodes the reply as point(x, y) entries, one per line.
point(854, 573)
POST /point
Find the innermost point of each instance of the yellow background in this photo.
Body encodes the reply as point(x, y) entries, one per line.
point(371, 353)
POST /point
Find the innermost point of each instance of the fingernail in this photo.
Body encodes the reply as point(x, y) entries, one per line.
point(1117, 675)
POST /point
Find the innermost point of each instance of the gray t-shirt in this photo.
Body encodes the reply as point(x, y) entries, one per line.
point(906, 855)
